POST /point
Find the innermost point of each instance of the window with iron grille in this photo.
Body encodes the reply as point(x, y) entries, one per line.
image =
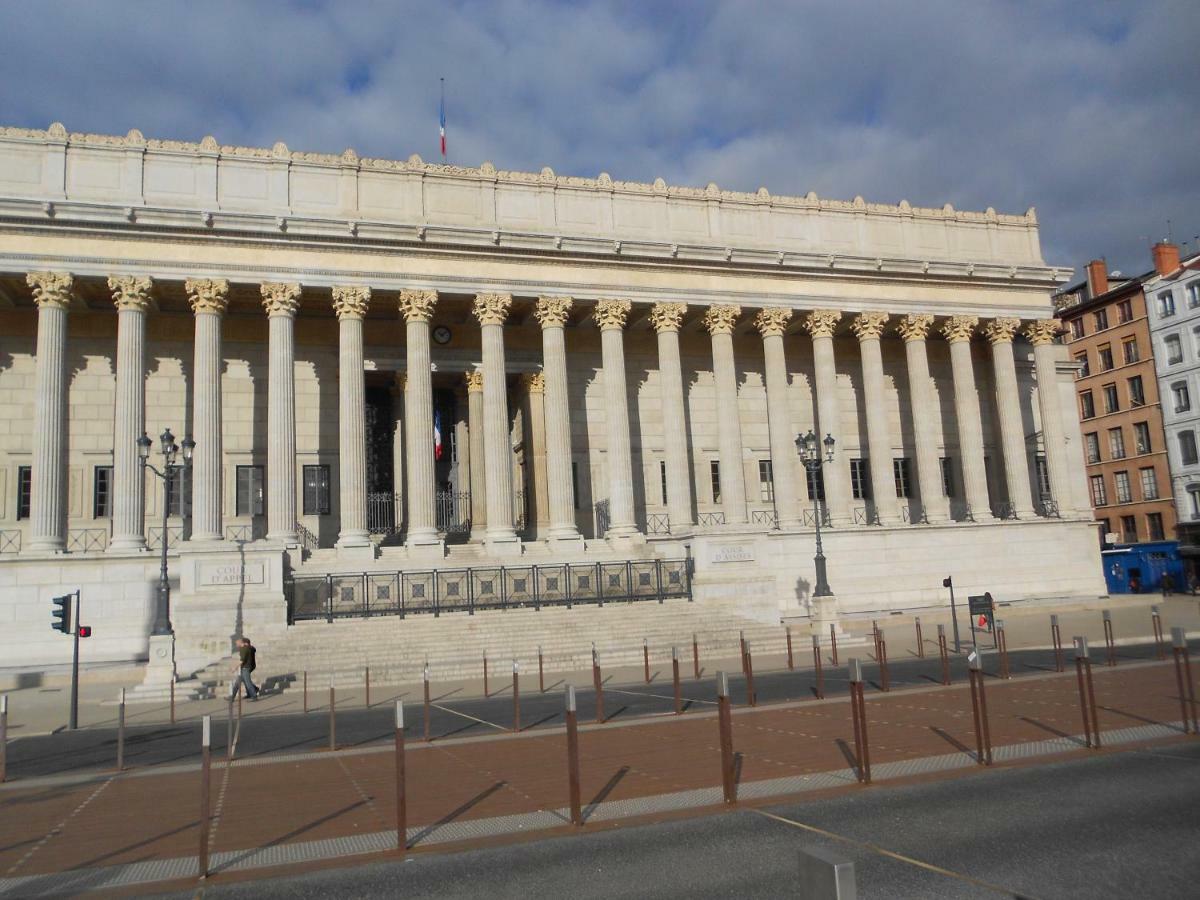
point(1121, 481)
point(1154, 526)
point(860, 482)
point(901, 471)
point(1099, 494)
point(24, 490)
point(947, 476)
point(714, 472)
point(249, 491)
point(316, 490)
point(1149, 483)
point(102, 492)
point(766, 481)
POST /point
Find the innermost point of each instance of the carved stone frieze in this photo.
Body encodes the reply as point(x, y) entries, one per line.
point(417, 306)
point(667, 316)
point(350, 301)
point(552, 311)
point(208, 295)
point(131, 291)
point(869, 326)
point(612, 313)
point(51, 288)
point(1001, 331)
point(959, 328)
point(492, 308)
point(822, 322)
point(280, 298)
point(722, 318)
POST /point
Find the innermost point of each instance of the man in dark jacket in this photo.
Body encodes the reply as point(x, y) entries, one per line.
point(244, 667)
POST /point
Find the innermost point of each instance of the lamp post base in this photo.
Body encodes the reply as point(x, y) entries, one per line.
point(160, 670)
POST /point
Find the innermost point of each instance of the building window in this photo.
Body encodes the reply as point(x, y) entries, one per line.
point(1137, 394)
point(24, 490)
point(766, 481)
point(179, 499)
point(1154, 526)
point(1187, 447)
point(714, 477)
point(947, 476)
point(249, 491)
point(1129, 529)
point(1043, 474)
point(1193, 294)
point(1194, 500)
point(1106, 358)
point(1121, 481)
point(816, 484)
point(1174, 349)
point(1091, 441)
point(1087, 406)
point(1130, 349)
point(316, 490)
point(1149, 483)
point(901, 470)
point(860, 482)
point(662, 479)
point(1111, 403)
point(1166, 304)
point(1125, 311)
point(1104, 530)
point(1084, 370)
point(1181, 397)
point(1099, 494)
point(102, 493)
point(1100, 318)
point(1141, 436)
point(1116, 443)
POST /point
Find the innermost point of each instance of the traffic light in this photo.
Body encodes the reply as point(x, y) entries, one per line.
point(85, 631)
point(62, 613)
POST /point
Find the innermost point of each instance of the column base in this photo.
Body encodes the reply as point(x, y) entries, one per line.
point(419, 537)
point(45, 546)
point(625, 541)
point(565, 542)
point(504, 546)
point(132, 542)
point(289, 538)
point(355, 551)
point(425, 550)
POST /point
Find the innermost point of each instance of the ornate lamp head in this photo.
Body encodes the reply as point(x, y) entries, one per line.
point(189, 447)
point(143, 446)
point(829, 442)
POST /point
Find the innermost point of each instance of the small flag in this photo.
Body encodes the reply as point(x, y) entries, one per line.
point(442, 119)
point(437, 434)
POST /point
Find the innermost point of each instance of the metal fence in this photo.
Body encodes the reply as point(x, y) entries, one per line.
point(10, 541)
point(437, 591)
point(87, 540)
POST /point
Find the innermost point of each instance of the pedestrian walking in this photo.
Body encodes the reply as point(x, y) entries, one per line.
point(245, 665)
point(1167, 584)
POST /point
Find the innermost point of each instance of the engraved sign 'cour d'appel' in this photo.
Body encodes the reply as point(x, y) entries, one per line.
point(231, 573)
point(731, 553)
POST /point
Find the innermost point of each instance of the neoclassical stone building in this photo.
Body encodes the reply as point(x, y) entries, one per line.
point(399, 366)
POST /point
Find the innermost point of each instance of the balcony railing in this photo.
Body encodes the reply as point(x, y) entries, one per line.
point(10, 541)
point(658, 523)
point(710, 519)
point(87, 540)
point(766, 517)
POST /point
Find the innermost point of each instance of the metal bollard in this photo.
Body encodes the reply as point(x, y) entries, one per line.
point(121, 733)
point(1087, 696)
point(401, 786)
point(239, 712)
point(695, 655)
point(541, 673)
point(1183, 679)
point(825, 875)
point(516, 697)
point(833, 643)
point(425, 678)
point(598, 685)
point(875, 637)
point(675, 678)
point(646, 658)
point(573, 757)
point(1002, 647)
point(1156, 621)
point(3, 737)
point(742, 644)
point(944, 654)
point(205, 801)
point(820, 687)
point(332, 716)
point(983, 734)
point(858, 712)
point(920, 640)
point(1108, 639)
point(1056, 638)
point(791, 661)
point(881, 654)
point(725, 726)
point(306, 690)
point(486, 692)
point(229, 731)
point(750, 698)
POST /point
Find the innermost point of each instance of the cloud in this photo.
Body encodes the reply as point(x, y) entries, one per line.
point(1086, 110)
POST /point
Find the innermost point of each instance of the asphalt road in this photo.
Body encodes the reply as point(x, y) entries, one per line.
point(257, 735)
point(1119, 824)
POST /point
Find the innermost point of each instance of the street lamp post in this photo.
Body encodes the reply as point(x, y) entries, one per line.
point(812, 457)
point(170, 452)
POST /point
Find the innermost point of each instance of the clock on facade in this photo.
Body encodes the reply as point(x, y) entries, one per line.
point(441, 335)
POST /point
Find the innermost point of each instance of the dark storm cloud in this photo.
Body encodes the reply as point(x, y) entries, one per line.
point(1085, 109)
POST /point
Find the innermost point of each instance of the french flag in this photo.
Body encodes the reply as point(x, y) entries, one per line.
point(437, 434)
point(442, 124)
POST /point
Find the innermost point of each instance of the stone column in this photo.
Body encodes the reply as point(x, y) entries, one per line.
point(552, 313)
point(48, 500)
point(534, 384)
point(478, 455)
point(417, 309)
point(350, 303)
point(491, 310)
point(720, 321)
point(771, 324)
point(666, 318)
point(132, 297)
point(957, 331)
point(914, 329)
point(611, 316)
point(462, 450)
point(868, 327)
point(282, 302)
point(1008, 404)
point(821, 324)
point(1042, 334)
point(209, 298)
point(399, 384)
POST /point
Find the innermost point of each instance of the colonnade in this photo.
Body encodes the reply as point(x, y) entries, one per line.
point(491, 475)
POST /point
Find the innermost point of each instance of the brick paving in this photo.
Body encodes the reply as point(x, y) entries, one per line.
point(318, 796)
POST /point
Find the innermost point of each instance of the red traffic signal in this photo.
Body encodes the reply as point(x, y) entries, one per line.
point(85, 631)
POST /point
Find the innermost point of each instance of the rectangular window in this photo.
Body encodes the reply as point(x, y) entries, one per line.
point(1091, 443)
point(1087, 406)
point(947, 476)
point(1129, 529)
point(1125, 311)
point(1194, 499)
point(249, 491)
point(1141, 436)
point(1043, 475)
point(24, 490)
point(860, 481)
point(1166, 304)
point(1116, 443)
point(1106, 358)
point(1137, 394)
point(179, 500)
point(662, 478)
point(1181, 397)
point(1121, 482)
point(1174, 348)
point(1099, 495)
point(816, 484)
point(1111, 403)
point(901, 471)
point(1154, 526)
point(766, 481)
point(1187, 447)
point(1076, 329)
point(1084, 369)
point(316, 490)
point(1149, 484)
point(1130, 349)
point(1193, 294)
point(1100, 318)
point(102, 493)
point(1104, 530)
point(714, 477)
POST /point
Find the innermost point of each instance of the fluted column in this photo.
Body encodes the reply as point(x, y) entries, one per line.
point(132, 297)
point(350, 303)
point(209, 298)
point(491, 310)
point(611, 316)
point(1042, 334)
point(1000, 333)
point(538, 487)
point(720, 321)
point(282, 302)
point(868, 327)
point(48, 500)
point(399, 495)
point(417, 309)
point(475, 430)
point(552, 313)
point(666, 319)
point(771, 324)
point(914, 329)
point(821, 324)
point(957, 331)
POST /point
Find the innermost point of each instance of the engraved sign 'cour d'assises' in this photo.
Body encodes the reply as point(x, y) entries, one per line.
point(729, 553)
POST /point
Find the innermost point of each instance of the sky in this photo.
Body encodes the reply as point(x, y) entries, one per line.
point(1085, 109)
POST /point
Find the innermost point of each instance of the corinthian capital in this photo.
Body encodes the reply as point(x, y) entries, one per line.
point(534, 382)
point(417, 306)
point(868, 326)
point(474, 381)
point(959, 328)
point(552, 312)
point(914, 327)
point(492, 309)
point(1001, 331)
point(350, 301)
point(208, 295)
point(280, 299)
point(1043, 331)
point(667, 316)
point(52, 289)
point(771, 322)
point(722, 318)
point(822, 322)
point(131, 291)
point(612, 313)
